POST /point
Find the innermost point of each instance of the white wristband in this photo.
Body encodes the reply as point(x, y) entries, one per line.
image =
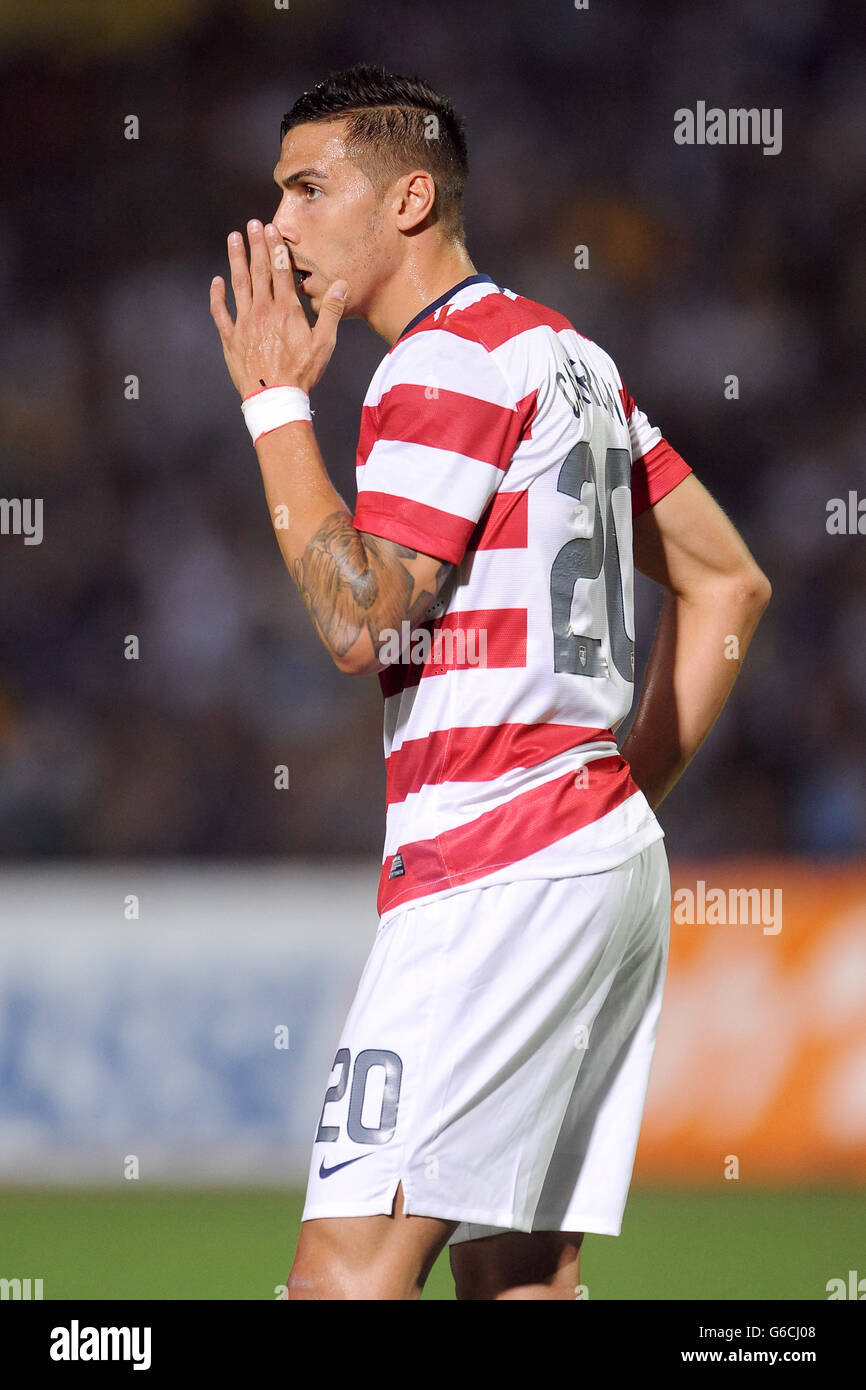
point(273, 406)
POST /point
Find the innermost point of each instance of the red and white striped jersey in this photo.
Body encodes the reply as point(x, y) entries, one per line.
point(495, 436)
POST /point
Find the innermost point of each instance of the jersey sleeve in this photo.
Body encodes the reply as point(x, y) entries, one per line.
point(656, 468)
point(438, 431)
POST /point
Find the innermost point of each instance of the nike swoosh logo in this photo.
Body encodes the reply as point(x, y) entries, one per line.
point(326, 1172)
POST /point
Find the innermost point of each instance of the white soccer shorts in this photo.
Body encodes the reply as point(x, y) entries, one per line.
point(496, 1057)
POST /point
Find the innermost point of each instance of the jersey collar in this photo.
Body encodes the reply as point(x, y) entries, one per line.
point(443, 299)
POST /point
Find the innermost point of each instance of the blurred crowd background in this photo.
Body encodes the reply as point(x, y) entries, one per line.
point(703, 262)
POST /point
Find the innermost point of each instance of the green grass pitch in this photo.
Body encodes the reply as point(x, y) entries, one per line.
point(161, 1243)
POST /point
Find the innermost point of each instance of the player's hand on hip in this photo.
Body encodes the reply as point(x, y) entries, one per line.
point(271, 341)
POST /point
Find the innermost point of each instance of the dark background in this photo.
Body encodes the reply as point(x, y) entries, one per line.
point(702, 262)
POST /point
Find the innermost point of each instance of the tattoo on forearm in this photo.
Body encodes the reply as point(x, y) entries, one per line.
point(350, 583)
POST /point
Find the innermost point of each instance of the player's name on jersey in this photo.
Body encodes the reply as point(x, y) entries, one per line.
point(584, 387)
point(738, 125)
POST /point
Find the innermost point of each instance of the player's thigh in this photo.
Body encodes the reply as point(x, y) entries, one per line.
point(485, 1268)
point(367, 1256)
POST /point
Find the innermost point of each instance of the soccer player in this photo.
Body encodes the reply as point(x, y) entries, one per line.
point(488, 1087)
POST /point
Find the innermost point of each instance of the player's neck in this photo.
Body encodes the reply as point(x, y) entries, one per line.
point(415, 286)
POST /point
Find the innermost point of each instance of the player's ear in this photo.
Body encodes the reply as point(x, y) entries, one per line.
point(417, 198)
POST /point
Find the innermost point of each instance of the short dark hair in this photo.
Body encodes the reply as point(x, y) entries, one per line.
point(393, 124)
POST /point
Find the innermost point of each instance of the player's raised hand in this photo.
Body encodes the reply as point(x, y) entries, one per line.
point(271, 341)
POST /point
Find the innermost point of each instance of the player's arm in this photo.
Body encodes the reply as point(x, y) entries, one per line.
point(355, 585)
point(715, 596)
point(358, 588)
